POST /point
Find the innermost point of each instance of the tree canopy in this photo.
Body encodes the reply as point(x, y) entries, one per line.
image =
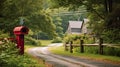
point(103, 14)
point(31, 10)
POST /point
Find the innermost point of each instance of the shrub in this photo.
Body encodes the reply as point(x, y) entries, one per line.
point(38, 42)
point(89, 40)
point(31, 41)
point(57, 40)
point(112, 36)
point(9, 57)
point(112, 51)
point(91, 49)
point(71, 37)
point(3, 35)
point(76, 38)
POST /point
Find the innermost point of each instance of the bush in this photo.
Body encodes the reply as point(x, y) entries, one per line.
point(112, 36)
point(91, 49)
point(76, 38)
point(57, 40)
point(9, 57)
point(71, 37)
point(88, 49)
point(3, 35)
point(38, 42)
point(112, 51)
point(31, 41)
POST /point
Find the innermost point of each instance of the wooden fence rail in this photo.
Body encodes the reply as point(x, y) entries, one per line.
point(81, 45)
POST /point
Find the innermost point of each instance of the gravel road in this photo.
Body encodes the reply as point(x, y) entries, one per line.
point(65, 61)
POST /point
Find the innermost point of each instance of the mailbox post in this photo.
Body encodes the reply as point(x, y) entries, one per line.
point(20, 31)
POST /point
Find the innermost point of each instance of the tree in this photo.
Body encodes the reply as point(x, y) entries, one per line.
point(66, 15)
point(58, 22)
point(30, 10)
point(104, 11)
point(102, 8)
point(42, 22)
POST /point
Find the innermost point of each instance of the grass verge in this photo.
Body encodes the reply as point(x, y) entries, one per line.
point(43, 43)
point(30, 61)
point(61, 51)
point(37, 62)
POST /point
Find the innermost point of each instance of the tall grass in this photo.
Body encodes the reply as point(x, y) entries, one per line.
point(111, 51)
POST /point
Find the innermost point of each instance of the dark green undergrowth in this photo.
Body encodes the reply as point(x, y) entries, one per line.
point(9, 57)
point(111, 51)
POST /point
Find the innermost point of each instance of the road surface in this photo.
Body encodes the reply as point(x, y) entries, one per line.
point(64, 61)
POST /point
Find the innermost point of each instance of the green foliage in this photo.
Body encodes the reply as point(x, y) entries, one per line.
point(111, 36)
point(21, 8)
point(45, 25)
point(67, 3)
point(28, 61)
point(112, 20)
point(58, 22)
point(71, 37)
point(32, 41)
point(45, 42)
point(89, 49)
point(31, 10)
point(57, 40)
point(13, 9)
point(61, 51)
point(9, 57)
point(111, 51)
point(3, 35)
point(63, 15)
point(39, 43)
point(88, 39)
point(76, 38)
point(43, 36)
point(104, 16)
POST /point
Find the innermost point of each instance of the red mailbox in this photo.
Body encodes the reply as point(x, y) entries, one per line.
point(20, 31)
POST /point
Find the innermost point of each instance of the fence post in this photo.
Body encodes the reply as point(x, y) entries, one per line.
point(66, 49)
point(81, 46)
point(100, 46)
point(71, 47)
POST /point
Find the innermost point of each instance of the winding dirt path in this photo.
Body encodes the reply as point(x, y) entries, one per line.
point(62, 61)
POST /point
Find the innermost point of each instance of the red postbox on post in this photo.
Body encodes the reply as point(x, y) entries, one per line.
point(20, 31)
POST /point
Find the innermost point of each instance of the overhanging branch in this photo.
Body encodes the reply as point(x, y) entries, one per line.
point(99, 15)
point(93, 10)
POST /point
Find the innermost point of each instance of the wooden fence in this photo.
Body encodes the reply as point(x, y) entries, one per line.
point(81, 45)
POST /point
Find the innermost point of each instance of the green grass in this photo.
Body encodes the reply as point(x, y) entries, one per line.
point(61, 51)
point(37, 63)
point(29, 61)
point(45, 42)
